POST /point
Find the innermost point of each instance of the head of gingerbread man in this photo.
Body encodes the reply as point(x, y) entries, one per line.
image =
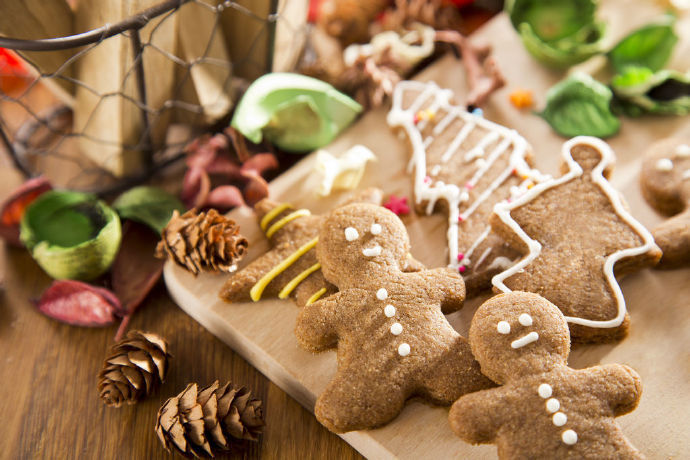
point(528, 335)
point(360, 243)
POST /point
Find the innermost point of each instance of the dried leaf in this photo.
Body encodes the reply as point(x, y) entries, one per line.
point(148, 205)
point(195, 187)
point(261, 162)
point(80, 304)
point(14, 206)
point(224, 198)
point(256, 188)
point(135, 270)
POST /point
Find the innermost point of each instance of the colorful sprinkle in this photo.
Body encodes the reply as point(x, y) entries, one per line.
point(397, 204)
point(468, 186)
point(462, 269)
point(460, 218)
point(521, 98)
point(460, 256)
point(477, 112)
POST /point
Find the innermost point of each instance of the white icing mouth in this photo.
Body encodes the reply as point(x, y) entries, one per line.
point(525, 340)
point(372, 252)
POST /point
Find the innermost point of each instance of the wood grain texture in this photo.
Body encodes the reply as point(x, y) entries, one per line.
point(657, 300)
point(49, 398)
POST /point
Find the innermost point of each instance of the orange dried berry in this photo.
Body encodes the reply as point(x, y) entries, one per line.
point(522, 98)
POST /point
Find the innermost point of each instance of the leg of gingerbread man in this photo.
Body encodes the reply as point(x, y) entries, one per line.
point(359, 403)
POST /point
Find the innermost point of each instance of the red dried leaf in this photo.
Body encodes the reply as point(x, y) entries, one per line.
point(196, 186)
point(203, 150)
point(223, 165)
point(14, 206)
point(80, 304)
point(256, 188)
point(238, 143)
point(261, 162)
point(224, 198)
point(135, 270)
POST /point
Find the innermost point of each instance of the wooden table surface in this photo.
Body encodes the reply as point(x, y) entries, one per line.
point(48, 392)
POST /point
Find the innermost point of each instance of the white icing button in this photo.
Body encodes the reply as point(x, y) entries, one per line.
point(569, 437)
point(683, 150)
point(525, 319)
point(552, 405)
point(559, 419)
point(664, 164)
point(389, 311)
point(545, 390)
point(503, 327)
point(351, 234)
point(382, 294)
point(372, 252)
point(375, 229)
point(404, 349)
point(396, 329)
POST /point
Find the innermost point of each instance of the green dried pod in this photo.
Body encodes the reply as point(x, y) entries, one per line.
point(71, 235)
point(639, 90)
point(558, 33)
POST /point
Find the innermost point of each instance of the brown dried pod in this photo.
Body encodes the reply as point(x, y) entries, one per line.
point(219, 417)
point(135, 367)
point(205, 241)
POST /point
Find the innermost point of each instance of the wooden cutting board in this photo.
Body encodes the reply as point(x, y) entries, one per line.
point(659, 301)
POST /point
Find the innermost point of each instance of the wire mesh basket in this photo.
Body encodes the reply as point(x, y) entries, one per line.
point(110, 106)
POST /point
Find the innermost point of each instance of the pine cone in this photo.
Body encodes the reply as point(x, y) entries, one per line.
point(135, 367)
point(217, 417)
point(206, 241)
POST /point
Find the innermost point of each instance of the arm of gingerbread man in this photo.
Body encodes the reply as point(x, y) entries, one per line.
point(446, 286)
point(316, 324)
point(620, 385)
point(477, 417)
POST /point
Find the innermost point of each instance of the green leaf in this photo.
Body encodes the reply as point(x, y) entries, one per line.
point(580, 105)
point(295, 112)
point(71, 235)
point(649, 46)
point(148, 205)
point(639, 90)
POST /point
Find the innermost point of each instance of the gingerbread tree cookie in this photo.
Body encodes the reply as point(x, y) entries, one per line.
point(289, 268)
point(392, 338)
point(576, 237)
point(543, 408)
point(665, 180)
point(462, 164)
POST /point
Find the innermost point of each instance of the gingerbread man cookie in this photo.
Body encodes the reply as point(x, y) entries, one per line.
point(665, 180)
point(462, 164)
point(289, 268)
point(392, 338)
point(576, 237)
point(543, 408)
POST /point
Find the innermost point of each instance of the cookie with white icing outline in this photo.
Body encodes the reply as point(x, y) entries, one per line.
point(576, 236)
point(665, 181)
point(462, 164)
point(543, 408)
point(393, 340)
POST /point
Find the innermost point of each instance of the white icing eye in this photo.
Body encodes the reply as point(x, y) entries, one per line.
point(503, 327)
point(389, 311)
point(404, 349)
point(396, 329)
point(552, 405)
point(569, 437)
point(372, 252)
point(559, 419)
point(545, 390)
point(351, 234)
point(382, 294)
point(664, 164)
point(525, 319)
point(375, 229)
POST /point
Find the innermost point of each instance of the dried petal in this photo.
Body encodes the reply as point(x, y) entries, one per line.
point(13, 208)
point(261, 162)
point(256, 188)
point(195, 187)
point(80, 304)
point(224, 198)
point(135, 270)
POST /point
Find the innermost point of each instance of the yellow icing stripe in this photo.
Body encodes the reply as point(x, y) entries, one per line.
point(270, 215)
point(317, 295)
point(260, 285)
point(292, 216)
point(294, 282)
